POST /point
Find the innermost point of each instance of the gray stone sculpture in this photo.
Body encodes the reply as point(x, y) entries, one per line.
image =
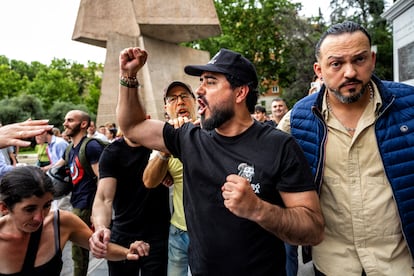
point(155, 25)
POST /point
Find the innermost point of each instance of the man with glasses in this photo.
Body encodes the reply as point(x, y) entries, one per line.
point(179, 101)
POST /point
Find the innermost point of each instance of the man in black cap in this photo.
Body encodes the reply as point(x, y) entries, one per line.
point(247, 186)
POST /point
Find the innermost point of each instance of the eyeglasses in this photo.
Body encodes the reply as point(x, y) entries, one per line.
point(174, 98)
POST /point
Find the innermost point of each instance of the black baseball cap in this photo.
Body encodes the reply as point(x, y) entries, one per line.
point(178, 83)
point(227, 62)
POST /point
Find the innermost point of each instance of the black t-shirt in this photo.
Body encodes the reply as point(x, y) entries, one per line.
point(139, 213)
point(220, 242)
point(84, 185)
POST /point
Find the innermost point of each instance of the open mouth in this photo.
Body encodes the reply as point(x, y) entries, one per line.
point(201, 106)
point(183, 112)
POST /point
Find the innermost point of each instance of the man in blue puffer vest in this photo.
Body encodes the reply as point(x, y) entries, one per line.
point(357, 133)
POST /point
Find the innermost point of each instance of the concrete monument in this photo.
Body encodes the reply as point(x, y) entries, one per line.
point(154, 26)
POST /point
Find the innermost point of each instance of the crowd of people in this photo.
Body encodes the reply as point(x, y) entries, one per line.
point(332, 174)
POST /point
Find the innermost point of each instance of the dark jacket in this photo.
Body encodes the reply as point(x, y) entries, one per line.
point(394, 130)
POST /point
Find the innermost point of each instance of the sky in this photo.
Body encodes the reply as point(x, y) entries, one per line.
point(41, 30)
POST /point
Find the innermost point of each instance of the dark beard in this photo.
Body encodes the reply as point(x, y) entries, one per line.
point(218, 118)
point(351, 99)
point(75, 130)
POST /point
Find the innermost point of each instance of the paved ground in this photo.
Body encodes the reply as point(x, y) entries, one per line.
point(98, 267)
point(304, 269)
point(29, 159)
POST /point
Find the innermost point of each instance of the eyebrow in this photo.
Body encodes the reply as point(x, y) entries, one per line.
point(364, 52)
point(207, 77)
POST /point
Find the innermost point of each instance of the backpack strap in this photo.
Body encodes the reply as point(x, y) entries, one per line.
point(56, 227)
point(67, 150)
point(31, 252)
point(82, 157)
point(82, 154)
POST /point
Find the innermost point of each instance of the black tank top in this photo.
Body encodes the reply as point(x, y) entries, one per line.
point(54, 266)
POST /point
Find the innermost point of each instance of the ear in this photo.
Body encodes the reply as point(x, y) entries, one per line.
point(241, 93)
point(3, 208)
point(317, 69)
point(374, 58)
point(84, 124)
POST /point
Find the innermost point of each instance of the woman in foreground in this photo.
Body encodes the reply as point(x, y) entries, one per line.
point(32, 236)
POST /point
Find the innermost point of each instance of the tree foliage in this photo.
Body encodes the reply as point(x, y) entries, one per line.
point(273, 36)
point(281, 44)
point(259, 30)
point(39, 91)
point(268, 32)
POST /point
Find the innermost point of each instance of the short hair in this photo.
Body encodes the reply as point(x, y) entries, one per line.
point(253, 94)
point(279, 99)
point(85, 117)
point(113, 131)
point(56, 131)
point(260, 108)
point(340, 28)
point(24, 182)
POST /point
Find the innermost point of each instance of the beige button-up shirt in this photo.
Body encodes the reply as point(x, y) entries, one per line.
point(363, 230)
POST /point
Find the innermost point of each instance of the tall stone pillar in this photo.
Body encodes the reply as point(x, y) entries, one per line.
point(155, 27)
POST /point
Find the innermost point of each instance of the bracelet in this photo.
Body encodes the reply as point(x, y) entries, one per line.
point(162, 157)
point(130, 82)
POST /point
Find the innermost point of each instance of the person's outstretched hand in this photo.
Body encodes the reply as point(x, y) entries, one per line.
point(14, 134)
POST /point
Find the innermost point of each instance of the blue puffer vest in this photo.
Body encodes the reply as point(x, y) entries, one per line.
point(394, 130)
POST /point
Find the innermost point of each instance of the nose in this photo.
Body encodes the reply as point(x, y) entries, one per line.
point(179, 99)
point(200, 90)
point(39, 216)
point(349, 71)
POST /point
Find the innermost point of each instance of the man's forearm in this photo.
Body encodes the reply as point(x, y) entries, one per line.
point(297, 225)
point(155, 171)
point(130, 112)
point(101, 215)
point(129, 109)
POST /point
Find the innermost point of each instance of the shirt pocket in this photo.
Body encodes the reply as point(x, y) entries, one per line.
point(380, 209)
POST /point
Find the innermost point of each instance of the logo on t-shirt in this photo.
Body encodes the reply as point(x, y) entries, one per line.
point(76, 171)
point(247, 172)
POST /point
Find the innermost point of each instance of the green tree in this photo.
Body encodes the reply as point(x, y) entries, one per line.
point(300, 57)
point(11, 82)
point(281, 44)
point(53, 85)
point(20, 108)
point(75, 84)
point(257, 29)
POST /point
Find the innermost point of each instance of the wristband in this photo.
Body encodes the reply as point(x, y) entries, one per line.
point(130, 82)
point(162, 157)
